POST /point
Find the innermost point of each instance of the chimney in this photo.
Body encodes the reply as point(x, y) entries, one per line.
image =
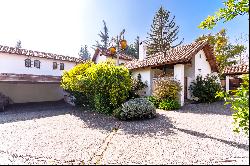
point(142, 50)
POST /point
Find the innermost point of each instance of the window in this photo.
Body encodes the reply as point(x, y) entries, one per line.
point(61, 66)
point(37, 64)
point(54, 65)
point(27, 63)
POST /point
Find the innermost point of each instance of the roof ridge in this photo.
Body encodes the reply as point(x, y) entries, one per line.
point(41, 54)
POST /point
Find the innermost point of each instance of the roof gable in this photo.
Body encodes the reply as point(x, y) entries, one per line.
point(106, 53)
point(177, 55)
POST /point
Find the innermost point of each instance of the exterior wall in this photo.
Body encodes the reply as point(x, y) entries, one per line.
point(189, 72)
point(121, 61)
point(100, 59)
point(103, 58)
point(146, 76)
point(23, 93)
point(142, 51)
point(202, 67)
point(179, 75)
point(10, 63)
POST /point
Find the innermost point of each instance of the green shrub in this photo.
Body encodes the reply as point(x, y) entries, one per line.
point(205, 89)
point(154, 100)
point(71, 82)
point(104, 85)
point(166, 89)
point(169, 104)
point(136, 86)
point(138, 108)
point(240, 105)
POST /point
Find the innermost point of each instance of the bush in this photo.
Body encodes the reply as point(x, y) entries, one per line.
point(71, 82)
point(166, 89)
point(136, 86)
point(240, 105)
point(205, 89)
point(169, 104)
point(104, 85)
point(139, 108)
point(154, 100)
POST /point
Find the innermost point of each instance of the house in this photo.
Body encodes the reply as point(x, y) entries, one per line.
point(182, 63)
point(101, 56)
point(233, 75)
point(32, 76)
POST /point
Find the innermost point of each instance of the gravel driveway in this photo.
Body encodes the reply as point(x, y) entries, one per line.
point(57, 133)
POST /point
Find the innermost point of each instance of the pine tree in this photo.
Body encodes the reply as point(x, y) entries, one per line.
point(133, 49)
point(84, 53)
point(104, 38)
point(18, 44)
point(164, 33)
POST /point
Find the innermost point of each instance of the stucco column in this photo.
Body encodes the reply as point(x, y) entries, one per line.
point(179, 75)
point(227, 83)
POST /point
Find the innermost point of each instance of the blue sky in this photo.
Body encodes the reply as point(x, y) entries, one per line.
point(62, 26)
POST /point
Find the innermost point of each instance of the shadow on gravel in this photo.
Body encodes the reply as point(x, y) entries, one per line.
point(160, 125)
point(205, 108)
point(203, 135)
point(30, 111)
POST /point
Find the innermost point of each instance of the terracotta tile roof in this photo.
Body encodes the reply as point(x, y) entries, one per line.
point(106, 53)
point(180, 54)
point(29, 78)
point(236, 69)
point(13, 50)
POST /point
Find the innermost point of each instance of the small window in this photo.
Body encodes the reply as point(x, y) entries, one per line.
point(54, 65)
point(27, 63)
point(61, 66)
point(37, 64)
point(200, 55)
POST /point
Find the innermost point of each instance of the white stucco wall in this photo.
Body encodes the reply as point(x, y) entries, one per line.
point(11, 63)
point(24, 93)
point(179, 75)
point(146, 76)
point(102, 58)
point(202, 64)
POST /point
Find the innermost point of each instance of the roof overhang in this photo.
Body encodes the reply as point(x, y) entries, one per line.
point(29, 78)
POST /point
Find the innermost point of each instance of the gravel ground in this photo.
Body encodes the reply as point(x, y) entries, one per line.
point(57, 133)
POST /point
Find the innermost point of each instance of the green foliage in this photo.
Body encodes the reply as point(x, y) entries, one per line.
point(154, 100)
point(166, 89)
point(139, 108)
point(240, 104)
point(104, 38)
point(84, 53)
point(205, 89)
point(169, 104)
point(232, 9)
point(133, 49)
point(19, 44)
point(137, 85)
point(224, 51)
point(164, 33)
point(104, 85)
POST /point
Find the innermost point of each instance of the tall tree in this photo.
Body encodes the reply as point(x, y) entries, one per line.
point(104, 38)
point(225, 52)
point(164, 33)
point(18, 44)
point(232, 9)
point(133, 49)
point(84, 53)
